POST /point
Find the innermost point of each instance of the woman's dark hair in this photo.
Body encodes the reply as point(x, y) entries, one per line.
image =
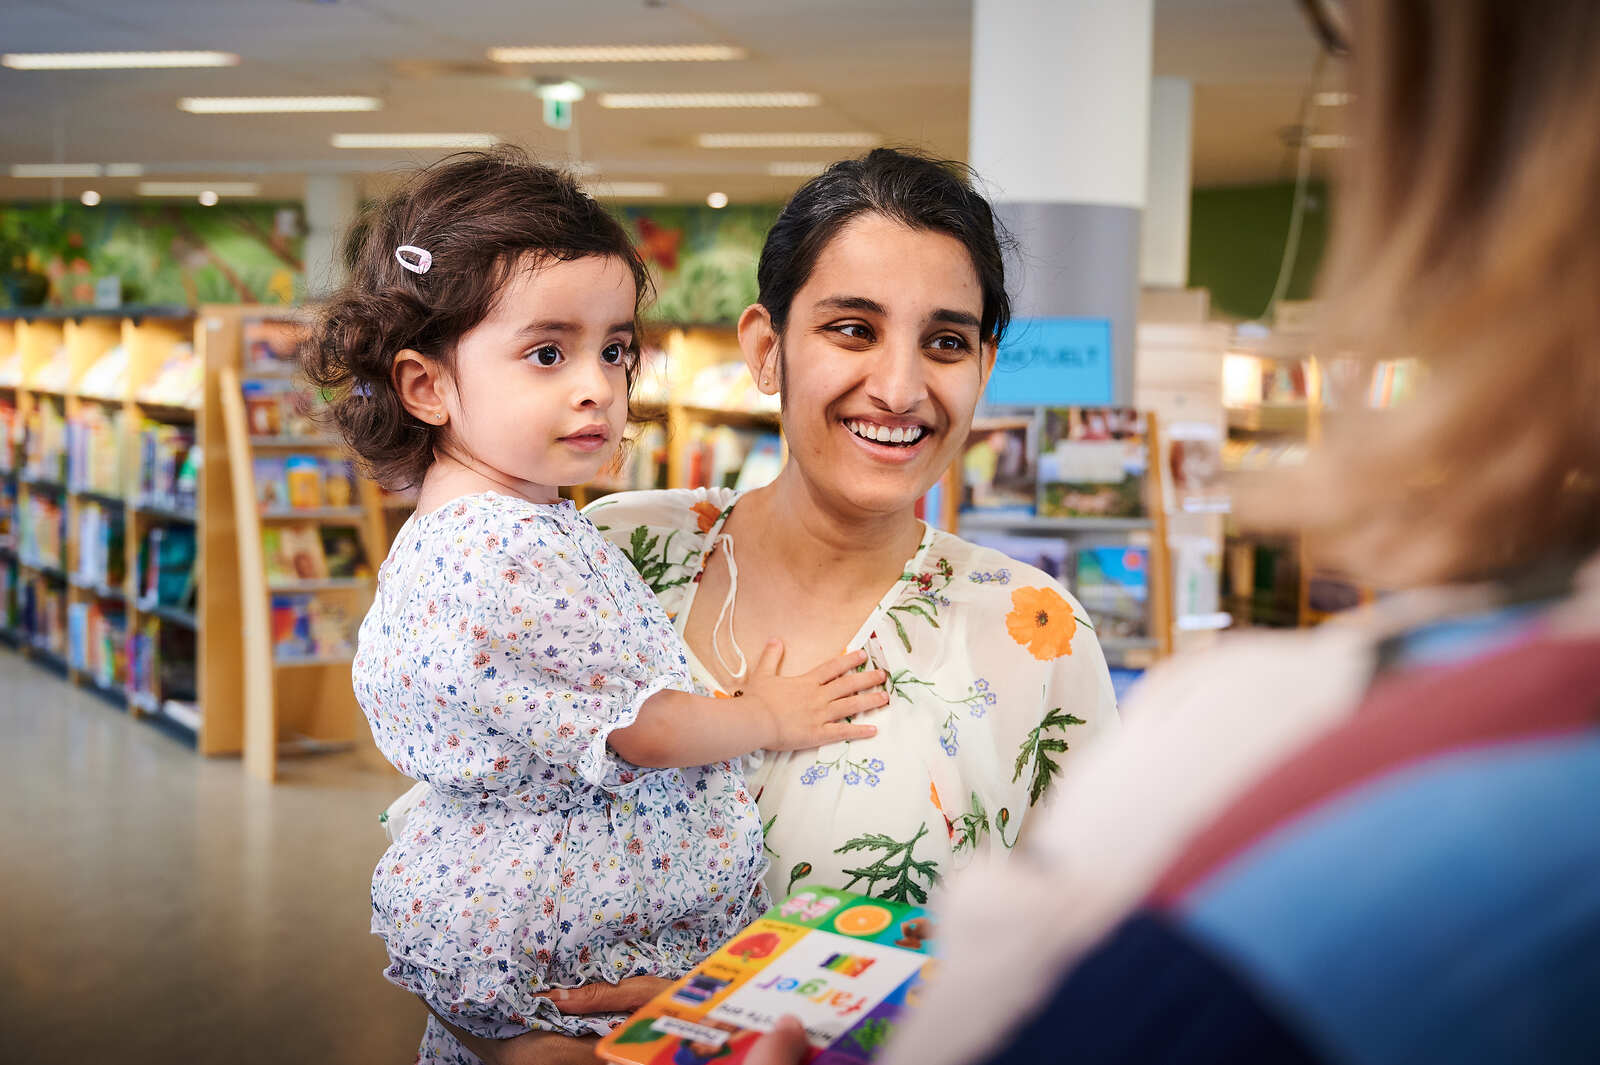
point(479, 215)
point(907, 187)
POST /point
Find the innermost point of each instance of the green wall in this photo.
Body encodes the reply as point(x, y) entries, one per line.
point(1236, 240)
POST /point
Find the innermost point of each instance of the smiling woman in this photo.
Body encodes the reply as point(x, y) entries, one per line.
point(882, 300)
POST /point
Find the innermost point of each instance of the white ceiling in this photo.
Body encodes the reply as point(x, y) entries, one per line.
point(897, 68)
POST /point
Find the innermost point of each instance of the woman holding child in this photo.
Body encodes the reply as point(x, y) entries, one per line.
point(881, 305)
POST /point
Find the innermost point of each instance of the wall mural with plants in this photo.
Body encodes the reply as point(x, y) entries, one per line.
point(703, 259)
point(53, 255)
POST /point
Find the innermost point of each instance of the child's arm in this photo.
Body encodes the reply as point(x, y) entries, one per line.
point(774, 713)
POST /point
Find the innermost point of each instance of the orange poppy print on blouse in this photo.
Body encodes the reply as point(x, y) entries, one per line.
point(1041, 620)
point(708, 514)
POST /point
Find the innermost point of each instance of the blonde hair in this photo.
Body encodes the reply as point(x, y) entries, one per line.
point(1468, 235)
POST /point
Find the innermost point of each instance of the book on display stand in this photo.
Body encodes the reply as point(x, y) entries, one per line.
point(850, 967)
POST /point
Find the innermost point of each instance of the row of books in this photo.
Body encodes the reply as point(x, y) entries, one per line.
point(306, 626)
point(10, 434)
point(1058, 462)
point(167, 569)
point(310, 552)
point(40, 530)
point(42, 614)
point(162, 670)
point(102, 560)
point(303, 481)
point(177, 382)
point(97, 461)
point(97, 642)
point(1112, 581)
point(279, 407)
point(724, 457)
point(8, 515)
point(169, 465)
point(44, 441)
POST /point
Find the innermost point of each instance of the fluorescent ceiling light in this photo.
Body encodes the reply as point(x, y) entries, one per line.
point(195, 188)
point(115, 60)
point(124, 170)
point(1331, 98)
point(626, 190)
point(787, 140)
point(709, 99)
point(1327, 140)
point(275, 105)
point(414, 140)
point(619, 53)
point(56, 170)
point(796, 169)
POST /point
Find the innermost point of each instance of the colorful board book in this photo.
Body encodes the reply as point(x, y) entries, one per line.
point(848, 966)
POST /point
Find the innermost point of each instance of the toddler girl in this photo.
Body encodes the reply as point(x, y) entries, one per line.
point(585, 820)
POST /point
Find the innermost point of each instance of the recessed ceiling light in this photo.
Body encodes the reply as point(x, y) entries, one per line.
point(787, 140)
point(56, 170)
point(718, 200)
point(115, 60)
point(1327, 141)
point(626, 190)
point(90, 198)
point(796, 169)
point(208, 198)
point(619, 53)
point(1331, 98)
point(198, 188)
point(414, 140)
point(268, 105)
point(708, 99)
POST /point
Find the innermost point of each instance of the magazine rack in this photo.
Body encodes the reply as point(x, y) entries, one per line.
point(298, 699)
point(1146, 530)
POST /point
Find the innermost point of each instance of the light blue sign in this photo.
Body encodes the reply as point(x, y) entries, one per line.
point(1053, 362)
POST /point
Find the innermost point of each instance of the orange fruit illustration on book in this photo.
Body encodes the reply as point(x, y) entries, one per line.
point(862, 921)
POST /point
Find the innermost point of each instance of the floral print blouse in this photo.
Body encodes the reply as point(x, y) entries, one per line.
point(996, 682)
point(507, 641)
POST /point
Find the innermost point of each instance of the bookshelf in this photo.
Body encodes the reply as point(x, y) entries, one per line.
point(1133, 619)
point(310, 534)
point(1283, 391)
point(104, 416)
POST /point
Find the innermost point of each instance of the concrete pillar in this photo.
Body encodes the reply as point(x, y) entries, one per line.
point(1060, 116)
point(1164, 237)
point(330, 210)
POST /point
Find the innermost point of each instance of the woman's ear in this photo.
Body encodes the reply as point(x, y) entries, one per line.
point(759, 342)
point(420, 383)
point(987, 352)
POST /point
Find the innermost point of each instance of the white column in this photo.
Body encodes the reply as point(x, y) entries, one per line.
point(1059, 130)
point(330, 210)
point(1164, 237)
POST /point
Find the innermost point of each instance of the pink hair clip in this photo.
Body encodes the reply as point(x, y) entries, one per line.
point(417, 260)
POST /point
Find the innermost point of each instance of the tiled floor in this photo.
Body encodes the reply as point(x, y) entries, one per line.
point(159, 907)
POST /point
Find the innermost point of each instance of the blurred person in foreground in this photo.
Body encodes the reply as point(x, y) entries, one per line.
point(1379, 841)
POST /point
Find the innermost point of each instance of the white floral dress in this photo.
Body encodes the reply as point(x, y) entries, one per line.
point(507, 640)
point(996, 681)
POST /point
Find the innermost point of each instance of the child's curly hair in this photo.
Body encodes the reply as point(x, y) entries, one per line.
point(478, 214)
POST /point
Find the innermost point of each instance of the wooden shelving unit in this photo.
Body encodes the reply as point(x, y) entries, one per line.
point(1148, 530)
point(87, 368)
point(303, 702)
